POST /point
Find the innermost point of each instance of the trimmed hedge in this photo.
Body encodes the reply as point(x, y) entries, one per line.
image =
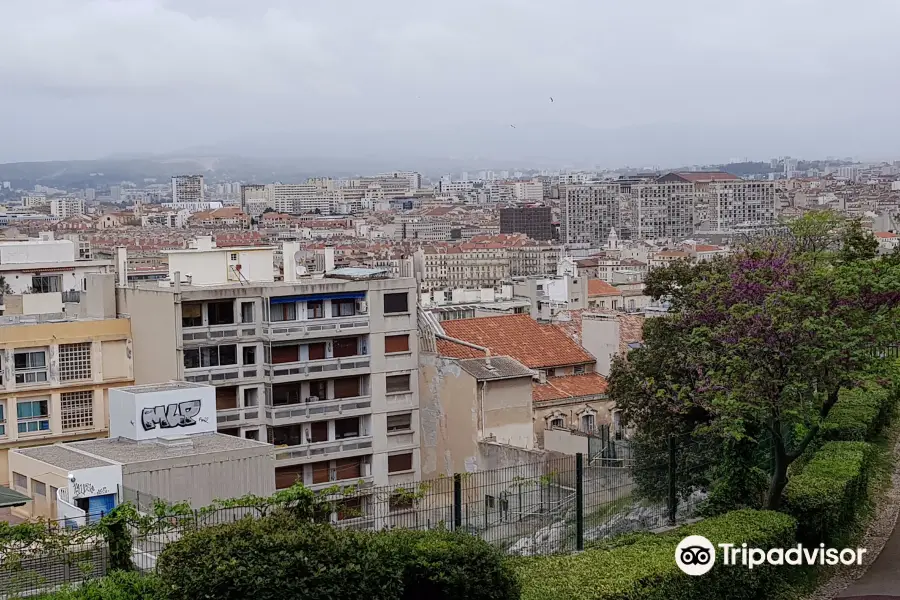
point(825, 497)
point(281, 559)
point(646, 568)
point(859, 414)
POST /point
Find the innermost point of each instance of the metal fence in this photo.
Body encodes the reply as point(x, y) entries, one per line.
point(553, 506)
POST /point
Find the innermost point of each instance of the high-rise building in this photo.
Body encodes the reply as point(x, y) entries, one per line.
point(325, 368)
point(188, 188)
point(90, 194)
point(534, 221)
point(589, 212)
point(66, 206)
point(115, 193)
point(528, 191)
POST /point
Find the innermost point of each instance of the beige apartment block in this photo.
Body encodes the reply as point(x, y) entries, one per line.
point(55, 379)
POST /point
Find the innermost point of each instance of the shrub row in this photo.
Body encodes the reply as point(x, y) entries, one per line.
point(277, 559)
point(860, 413)
point(118, 585)
point(646, 567)
point(826, 496)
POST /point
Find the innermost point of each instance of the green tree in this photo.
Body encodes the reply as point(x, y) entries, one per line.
point(5, 288)
point(763, 342)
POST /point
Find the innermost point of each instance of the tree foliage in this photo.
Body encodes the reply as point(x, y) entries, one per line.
point(757, 346)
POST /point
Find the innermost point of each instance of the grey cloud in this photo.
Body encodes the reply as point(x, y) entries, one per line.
point(87, 77)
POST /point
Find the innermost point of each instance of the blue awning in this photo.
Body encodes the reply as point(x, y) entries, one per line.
point(315, 297)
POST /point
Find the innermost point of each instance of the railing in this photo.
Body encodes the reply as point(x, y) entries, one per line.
point(71, 516)
point(226, 373)
point(218, 332)
point(318, 408)
point(311, 367)
point(323, 449)
point(316, 327)
point(237, 415)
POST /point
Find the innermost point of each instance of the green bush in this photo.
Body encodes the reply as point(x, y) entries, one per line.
point(826, 496)
point(283, 559)
point(646, 569)
point(118, 585)
point(859, 414)
point(442, 565)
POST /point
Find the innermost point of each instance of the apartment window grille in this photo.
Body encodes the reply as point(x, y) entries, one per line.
point(76, 410)
point(33, 416)
point(396, 384)
point(31, 366)
point(45, 284)
point(74, 361)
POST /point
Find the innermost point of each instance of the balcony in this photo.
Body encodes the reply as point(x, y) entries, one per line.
point(319, 409)
point(232, 417)
point(315, 328)
point(328, 367)
point(221, 374)
point(324, 450)
point(214, 333)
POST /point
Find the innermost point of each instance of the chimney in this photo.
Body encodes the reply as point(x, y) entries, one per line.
point(329, 259)
point(487, 358)
point(122, 266)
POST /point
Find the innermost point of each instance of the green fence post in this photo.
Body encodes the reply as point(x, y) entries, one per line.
point(579, 501)
point(457, 501)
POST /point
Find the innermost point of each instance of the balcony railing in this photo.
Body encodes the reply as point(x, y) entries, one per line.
point(328, 366)
point(325, 327)
point(219, 332)
point(218, 374)
point(237, 415)
point(317, 409)
point(321, 450)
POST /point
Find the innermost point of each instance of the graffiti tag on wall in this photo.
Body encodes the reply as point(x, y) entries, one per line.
point(168, 416)
point(87, 489)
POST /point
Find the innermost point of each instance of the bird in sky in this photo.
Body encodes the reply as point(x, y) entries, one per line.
point(513, 126)
point(551, 98)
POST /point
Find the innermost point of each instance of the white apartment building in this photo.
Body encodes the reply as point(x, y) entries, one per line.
point(298, 198)
point(34, 200)
point(662, 210)
point(193, 207)
point(64, 207)
point(529, 191)
point(188, 188)
point(324, 367)
point(741, 204)
point(46, 266)
point(589, 213)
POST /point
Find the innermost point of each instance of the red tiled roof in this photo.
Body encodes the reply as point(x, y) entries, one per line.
point(598, 287)
point(885, 235)
point(519, 336)
point(569, 386)
point(706, 248)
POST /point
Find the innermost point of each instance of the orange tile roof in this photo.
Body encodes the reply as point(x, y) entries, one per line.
point(598, 287)
point(706, 248)
point(519, 336)
point(885, 234)
point(569, 386)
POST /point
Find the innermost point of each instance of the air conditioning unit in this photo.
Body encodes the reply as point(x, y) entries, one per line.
point(363, 306)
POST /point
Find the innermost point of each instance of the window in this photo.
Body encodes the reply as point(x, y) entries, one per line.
point(345, 387)
point(39, 487)
point(396, 303)
point(77, 410)
point(192, 315)
point(397, 383)
point(246, 312)
point(588, 423)
point(579, 369)
point(315, 310)
point(248, 355)
point(74, 361)
point(33, 416)
point(343, 308)
point(346, 428)
point(31, 366)
point(283, 312)
point(220, 313)
point(20, 481)
point(234, 256)
point(557, 423)
point(252, 434)
point(399, 422)
point(210, 356)
point(44, 284)
point(400, 462)
point(396, 343)
point(54, 492)
point(316, 351)
point(346, 347)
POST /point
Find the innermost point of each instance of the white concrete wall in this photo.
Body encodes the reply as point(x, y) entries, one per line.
point(37, 251)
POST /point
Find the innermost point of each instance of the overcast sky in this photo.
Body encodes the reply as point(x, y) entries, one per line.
point(633, 82)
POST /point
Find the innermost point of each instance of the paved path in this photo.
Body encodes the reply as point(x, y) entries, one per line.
point(882, 580)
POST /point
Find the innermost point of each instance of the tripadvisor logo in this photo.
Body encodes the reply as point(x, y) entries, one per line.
point(696, 555)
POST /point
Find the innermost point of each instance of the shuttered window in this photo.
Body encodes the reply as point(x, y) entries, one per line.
point(396, 343)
